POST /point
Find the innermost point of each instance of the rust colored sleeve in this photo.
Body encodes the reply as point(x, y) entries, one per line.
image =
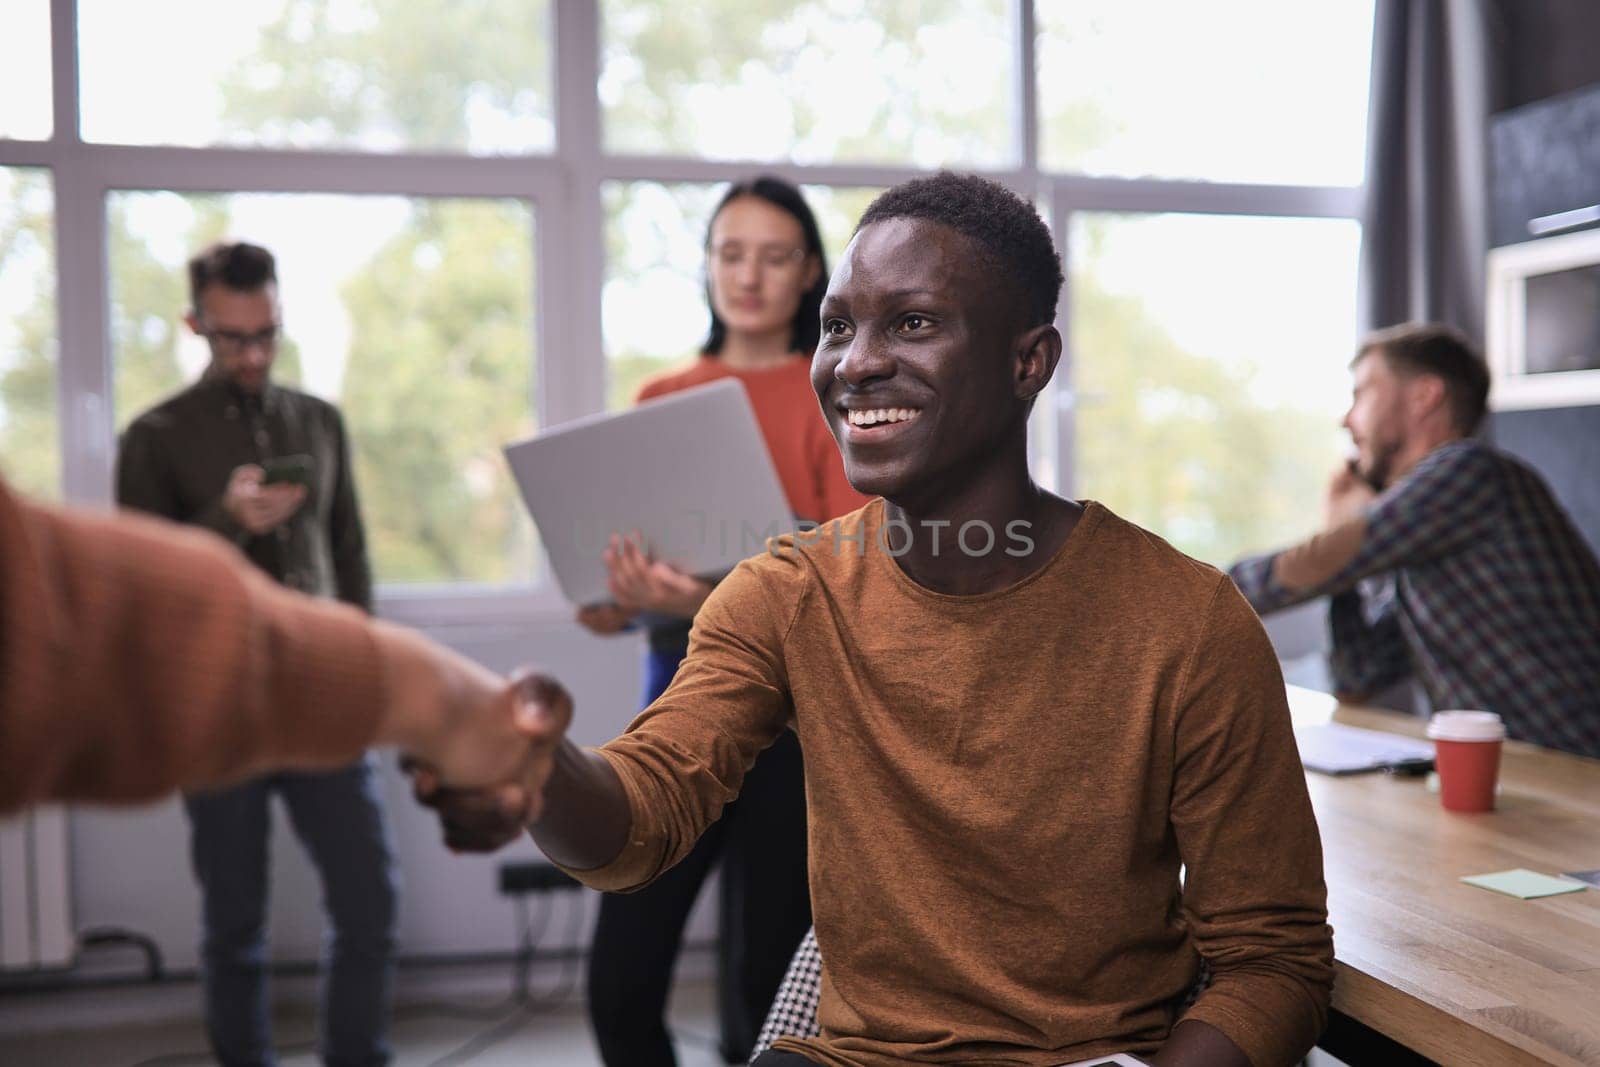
point(137, 657)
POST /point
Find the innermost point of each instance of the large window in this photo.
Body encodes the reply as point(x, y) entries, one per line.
point(25, 70)
point(30, 454)
point(879, 81)
point(490, 217)
point(416, 320)
point(1209, 357)
point(363, 74)
point(1230, 90)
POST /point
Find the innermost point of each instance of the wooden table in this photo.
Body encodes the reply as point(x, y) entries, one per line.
point(1460, 974)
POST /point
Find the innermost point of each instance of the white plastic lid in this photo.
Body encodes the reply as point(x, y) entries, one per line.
point(1466, 726)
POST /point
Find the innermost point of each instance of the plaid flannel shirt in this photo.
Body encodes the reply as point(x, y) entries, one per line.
point(1469, 574)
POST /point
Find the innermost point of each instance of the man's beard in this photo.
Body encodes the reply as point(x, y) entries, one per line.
point(219, 373)
point(1380, 469)
point(249, 385)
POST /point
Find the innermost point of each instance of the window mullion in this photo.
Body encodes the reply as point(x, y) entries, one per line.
point(573, 381)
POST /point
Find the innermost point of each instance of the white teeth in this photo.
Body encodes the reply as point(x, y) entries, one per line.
point(877, 415)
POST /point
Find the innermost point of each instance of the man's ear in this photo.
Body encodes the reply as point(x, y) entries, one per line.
point(1037, 353)
point(1425, 394)
point(192, 320)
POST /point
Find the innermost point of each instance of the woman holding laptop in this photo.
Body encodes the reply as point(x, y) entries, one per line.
point(765, 276)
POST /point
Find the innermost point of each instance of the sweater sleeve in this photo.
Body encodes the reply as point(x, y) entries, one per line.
point(686, 755)
point(137, 657)
point(1452, 499)
point(1254, 892)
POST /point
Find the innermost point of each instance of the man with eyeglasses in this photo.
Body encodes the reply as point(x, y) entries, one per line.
point(268, 468)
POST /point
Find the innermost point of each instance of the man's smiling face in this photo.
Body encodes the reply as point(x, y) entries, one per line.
point(914, 369)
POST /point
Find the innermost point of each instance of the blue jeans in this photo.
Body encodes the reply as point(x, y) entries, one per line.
point(339, 818)
point(660, 665)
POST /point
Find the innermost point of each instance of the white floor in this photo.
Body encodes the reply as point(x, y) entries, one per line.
point(442, 1018)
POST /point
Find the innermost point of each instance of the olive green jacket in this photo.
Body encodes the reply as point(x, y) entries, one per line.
point(175, 461)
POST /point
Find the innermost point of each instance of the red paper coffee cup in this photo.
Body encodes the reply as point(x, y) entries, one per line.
point(1467, 756)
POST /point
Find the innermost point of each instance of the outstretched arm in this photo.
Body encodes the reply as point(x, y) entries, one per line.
point(137, 657)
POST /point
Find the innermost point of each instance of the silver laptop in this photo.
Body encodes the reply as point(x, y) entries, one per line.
point(690, 471)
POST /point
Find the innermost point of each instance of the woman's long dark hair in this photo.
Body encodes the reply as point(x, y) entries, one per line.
point(806, 329)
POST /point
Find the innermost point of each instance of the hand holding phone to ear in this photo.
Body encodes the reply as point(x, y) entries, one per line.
point(1347, 494)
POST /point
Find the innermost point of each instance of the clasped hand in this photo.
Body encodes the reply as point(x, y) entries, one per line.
point(487, 787)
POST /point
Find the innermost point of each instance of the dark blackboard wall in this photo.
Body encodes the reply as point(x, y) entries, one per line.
point(1563, 444)
point(1544, 159)
point(1542, 48)
point(1547, 54)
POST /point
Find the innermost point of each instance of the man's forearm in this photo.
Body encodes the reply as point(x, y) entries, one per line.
point(1197, 1044)
point(1301, 572)
point(431, 693)
point(586, 818)
point(199, 669)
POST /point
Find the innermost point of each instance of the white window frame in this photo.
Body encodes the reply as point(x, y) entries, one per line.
point(564, 191)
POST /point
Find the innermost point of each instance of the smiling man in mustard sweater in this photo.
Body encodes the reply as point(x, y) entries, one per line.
point(1023, 718)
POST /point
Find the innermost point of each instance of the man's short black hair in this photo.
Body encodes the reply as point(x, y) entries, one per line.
point(235, 265)
point(1003, 224)
point(1432, 348)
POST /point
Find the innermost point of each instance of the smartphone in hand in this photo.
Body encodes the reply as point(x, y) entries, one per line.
point(1354, 467)
point(287, 470)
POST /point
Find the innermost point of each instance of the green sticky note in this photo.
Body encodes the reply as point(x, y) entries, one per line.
point(1523, 884)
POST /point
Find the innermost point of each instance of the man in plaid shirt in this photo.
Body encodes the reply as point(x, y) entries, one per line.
point(1444, 557)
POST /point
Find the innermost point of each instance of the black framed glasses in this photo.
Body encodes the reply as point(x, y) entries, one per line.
point(232, 341)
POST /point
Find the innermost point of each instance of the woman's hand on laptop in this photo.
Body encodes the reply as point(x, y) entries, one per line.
point(639, 583)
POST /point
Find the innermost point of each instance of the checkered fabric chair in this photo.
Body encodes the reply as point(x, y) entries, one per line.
point(794, 1009)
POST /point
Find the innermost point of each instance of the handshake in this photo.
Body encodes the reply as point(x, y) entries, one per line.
point(479, 750)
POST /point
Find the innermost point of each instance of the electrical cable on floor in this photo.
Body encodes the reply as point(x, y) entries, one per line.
point(155, 966)
point(528, 937)
point(557, 997)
